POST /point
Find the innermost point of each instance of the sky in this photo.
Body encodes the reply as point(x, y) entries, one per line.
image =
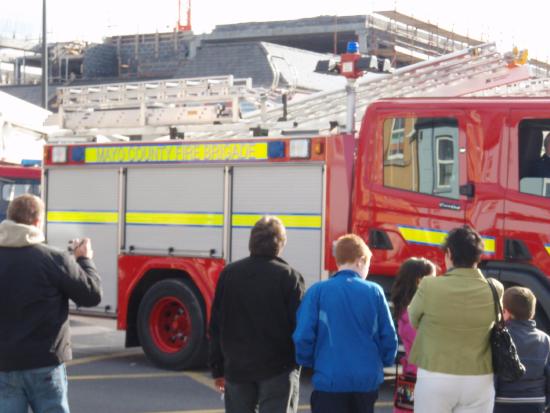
point(524, 24)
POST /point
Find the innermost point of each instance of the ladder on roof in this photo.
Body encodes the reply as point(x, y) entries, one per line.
point(131, 94)
point(130, 104)
point(456, 74)
point(528, 88)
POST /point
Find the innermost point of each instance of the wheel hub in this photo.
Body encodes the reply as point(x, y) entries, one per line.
point(170, 324)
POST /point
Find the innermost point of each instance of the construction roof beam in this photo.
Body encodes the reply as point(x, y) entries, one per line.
point(17, 44)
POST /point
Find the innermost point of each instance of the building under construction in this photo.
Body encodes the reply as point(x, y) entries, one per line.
point(277, 55)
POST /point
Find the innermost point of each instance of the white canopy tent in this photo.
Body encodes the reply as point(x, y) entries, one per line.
point(22, 130)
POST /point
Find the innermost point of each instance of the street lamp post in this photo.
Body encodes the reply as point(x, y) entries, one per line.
point(44, 58)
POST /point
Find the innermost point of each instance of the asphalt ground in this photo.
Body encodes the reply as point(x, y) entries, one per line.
point(106, 377)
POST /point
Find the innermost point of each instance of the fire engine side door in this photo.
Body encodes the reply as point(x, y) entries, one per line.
point(294, 193)
point(527, 200)
point(410, 178)
point(83, 202)
point(175, 210)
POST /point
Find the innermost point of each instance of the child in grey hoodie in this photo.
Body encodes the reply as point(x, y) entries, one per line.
point(530, 393)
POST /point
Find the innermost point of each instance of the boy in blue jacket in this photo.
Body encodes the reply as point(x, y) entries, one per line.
point(530, 394)
point(345, 333)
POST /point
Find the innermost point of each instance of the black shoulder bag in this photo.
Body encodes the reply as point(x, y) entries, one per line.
point(506, 363)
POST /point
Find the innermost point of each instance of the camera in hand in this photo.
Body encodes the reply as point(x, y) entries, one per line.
point(74, 244)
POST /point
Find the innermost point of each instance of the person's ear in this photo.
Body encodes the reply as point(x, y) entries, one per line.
point(38, 222)
point(507, 314)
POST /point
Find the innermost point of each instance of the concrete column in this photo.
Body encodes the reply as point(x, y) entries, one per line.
point(362, 39)
point(157, 45)
point(16, 72)
point(193, 46)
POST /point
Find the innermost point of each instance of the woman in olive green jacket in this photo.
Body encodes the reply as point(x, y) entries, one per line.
point(453, 315)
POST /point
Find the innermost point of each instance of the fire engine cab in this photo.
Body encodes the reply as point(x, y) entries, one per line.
point(166, 216)
point(17, 180)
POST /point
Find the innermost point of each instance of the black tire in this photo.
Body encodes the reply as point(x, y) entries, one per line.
point(171, 325)
point(541, 319)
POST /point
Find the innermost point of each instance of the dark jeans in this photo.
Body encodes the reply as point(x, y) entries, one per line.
point(519, 408)
point(325, 402)
point(278, 394)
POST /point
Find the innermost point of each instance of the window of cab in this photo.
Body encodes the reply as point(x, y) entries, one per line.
point(421, 155)
point(534, 157)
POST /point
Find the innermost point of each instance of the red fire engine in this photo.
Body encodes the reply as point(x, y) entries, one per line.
point(165, 216)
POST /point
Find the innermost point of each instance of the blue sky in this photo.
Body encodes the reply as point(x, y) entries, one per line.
point(524, 26)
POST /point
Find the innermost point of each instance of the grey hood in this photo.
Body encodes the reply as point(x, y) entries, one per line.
point(16, 235)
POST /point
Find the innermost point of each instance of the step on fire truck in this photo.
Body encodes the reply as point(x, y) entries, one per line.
point(165, 216)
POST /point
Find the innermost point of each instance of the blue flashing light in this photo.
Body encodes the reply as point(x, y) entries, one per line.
point(353, 47)
point(276, 150)
point(77, 154)
point(31, 162)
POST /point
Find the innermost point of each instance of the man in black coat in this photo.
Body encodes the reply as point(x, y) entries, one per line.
point(36, 283)
point(253, 318)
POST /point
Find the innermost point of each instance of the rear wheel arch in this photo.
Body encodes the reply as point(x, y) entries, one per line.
point(171, 325)
point(149, 279)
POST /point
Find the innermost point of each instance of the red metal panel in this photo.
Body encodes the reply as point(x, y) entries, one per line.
point(204, 272)
point(20, 172)
point(487, 169)
point(340, 154)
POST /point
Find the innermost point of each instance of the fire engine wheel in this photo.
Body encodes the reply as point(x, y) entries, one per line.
point(171, 325)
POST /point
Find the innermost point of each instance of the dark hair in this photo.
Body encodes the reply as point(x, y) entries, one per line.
point(465, 246)
point(25, 209)
point(349, 248)
point(268, 237)
point(406, 282)
point(520, 302)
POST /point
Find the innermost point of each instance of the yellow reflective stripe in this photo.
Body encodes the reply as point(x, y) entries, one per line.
point(547, 247)
point(489, 244)
point(289, 221)
point(436, 238)
point(422, 236)
point(157, 218)
point(85, 217)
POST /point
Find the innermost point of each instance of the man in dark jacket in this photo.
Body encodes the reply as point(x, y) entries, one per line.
point(36, 283)
point(253, 317)
point(530, 394)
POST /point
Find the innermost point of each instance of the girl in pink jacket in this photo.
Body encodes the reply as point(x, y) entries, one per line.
point(408, 277)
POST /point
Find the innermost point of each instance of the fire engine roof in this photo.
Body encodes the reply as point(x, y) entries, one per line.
point(467, 102)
